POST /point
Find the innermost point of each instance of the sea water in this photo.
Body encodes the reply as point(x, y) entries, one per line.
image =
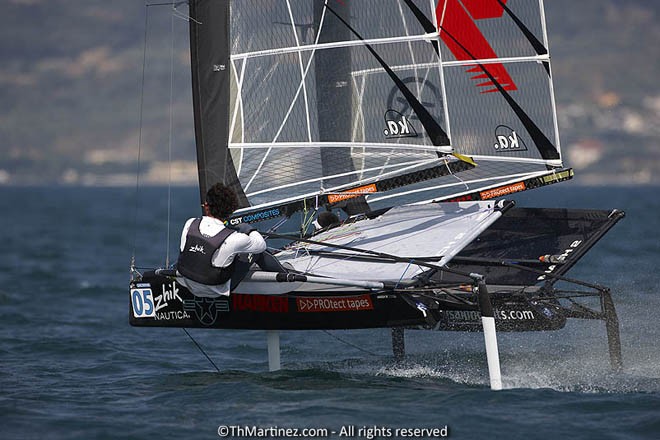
point(72, 368)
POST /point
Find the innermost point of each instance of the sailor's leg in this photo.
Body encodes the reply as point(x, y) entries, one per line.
point(241, 269)
point(266, 261)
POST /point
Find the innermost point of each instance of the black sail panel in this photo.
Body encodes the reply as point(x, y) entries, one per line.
point(211, 70)
point(333, 90)
point(548, 240)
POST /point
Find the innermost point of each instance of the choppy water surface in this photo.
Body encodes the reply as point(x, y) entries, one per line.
point(72, 367)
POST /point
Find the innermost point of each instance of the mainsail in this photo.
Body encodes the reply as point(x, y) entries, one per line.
point(324, 100)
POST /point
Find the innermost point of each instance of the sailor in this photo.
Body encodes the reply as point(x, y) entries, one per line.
point(210, 250)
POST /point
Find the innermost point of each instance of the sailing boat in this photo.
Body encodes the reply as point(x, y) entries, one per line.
point(409, 120)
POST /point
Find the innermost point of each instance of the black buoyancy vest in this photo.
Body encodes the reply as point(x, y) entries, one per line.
point(196, 259)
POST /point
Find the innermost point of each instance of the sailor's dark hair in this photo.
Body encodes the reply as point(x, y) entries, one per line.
point(222, 201)
point(327, 218)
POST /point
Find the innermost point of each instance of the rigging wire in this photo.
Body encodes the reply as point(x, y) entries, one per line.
point(201, 349)
point(177, 14)
point(456, 176)
point(169, 143)
point(182, 15)
point(412, 260)
point(141, 119)
point(141, 126)
point(364, 350)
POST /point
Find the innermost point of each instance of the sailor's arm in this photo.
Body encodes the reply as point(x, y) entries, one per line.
point(239, 243)
point(256, 244)
point(184, 233)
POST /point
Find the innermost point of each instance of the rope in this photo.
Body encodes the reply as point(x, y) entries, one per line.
point(307, 218)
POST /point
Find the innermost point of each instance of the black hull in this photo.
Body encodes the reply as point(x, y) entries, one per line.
point(343, 309)
point(159, 301)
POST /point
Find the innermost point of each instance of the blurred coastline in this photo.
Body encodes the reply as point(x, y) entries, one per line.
point(72, 92)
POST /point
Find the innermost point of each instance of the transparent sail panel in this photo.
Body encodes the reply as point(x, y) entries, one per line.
point(268, 25)
point(491, 121)
point(299, 170)
point(328, 97)
point(403, 231)
point(475, 29)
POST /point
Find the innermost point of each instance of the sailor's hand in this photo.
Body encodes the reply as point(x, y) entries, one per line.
point(245, 228)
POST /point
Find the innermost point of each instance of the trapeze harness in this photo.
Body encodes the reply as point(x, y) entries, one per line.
point(195, 261)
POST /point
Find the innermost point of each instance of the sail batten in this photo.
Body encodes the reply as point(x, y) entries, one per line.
point(432, 149)
point(333, 45)
point(476, 62)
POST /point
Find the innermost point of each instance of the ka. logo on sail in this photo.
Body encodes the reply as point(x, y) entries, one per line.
point(398, 126)
point(508, 140)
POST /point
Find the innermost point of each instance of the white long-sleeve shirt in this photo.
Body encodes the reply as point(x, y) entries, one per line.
point(235, 244)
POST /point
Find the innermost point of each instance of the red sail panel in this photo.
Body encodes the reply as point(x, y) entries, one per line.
point(460, 33)
point(480, 9)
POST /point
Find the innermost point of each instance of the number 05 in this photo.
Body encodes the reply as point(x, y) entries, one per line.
point(143, 303)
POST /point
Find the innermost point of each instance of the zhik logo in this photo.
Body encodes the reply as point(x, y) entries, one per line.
point(197, 248)
point(508, 140)
point(398, 126)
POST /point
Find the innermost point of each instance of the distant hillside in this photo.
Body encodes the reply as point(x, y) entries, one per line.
point(602, 45)
point(70, 82)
